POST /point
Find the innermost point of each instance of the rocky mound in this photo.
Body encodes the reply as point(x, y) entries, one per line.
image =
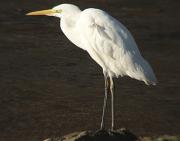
point(100, 135)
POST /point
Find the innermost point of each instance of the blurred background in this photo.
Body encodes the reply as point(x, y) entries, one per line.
point(49, 87)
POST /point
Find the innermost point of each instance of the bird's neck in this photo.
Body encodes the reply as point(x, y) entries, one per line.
point(69, 21)
point(68, 26)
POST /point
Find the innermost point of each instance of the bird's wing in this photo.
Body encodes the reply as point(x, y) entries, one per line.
point(105, 34)
point(113, 45)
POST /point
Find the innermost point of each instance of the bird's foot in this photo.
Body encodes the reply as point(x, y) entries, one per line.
point(101, 129)
point(101, 132)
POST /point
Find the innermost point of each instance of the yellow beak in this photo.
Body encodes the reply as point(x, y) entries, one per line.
point(44, 12)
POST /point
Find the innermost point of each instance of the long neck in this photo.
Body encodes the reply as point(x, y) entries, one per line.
point(69, 27)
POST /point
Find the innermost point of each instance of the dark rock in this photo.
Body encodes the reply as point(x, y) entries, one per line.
point(100, 135)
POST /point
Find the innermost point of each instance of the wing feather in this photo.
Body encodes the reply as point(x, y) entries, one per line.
point(112, 46)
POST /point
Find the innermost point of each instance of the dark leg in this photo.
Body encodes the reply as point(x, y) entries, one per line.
point(112, 101)
point(105, 100)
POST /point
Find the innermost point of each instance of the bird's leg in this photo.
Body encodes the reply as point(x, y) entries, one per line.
point(112, 101)
point(105, 100)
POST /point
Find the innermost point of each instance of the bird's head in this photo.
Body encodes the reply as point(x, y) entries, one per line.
point(56, 11)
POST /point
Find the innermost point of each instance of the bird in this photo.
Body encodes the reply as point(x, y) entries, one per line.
point(109, 43)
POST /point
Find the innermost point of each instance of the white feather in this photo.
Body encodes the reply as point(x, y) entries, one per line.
point(107, 41)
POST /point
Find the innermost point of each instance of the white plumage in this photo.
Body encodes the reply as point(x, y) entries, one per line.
point(107, 41)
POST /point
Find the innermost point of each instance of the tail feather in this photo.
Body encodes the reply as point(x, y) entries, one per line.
point(142, 71)
point(148, 74)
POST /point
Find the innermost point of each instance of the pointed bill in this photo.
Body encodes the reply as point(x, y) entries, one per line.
point(42, 12)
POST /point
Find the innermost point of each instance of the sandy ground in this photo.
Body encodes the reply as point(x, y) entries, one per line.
point(49, 87)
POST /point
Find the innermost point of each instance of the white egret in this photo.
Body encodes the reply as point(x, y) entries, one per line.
point(107, 41)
